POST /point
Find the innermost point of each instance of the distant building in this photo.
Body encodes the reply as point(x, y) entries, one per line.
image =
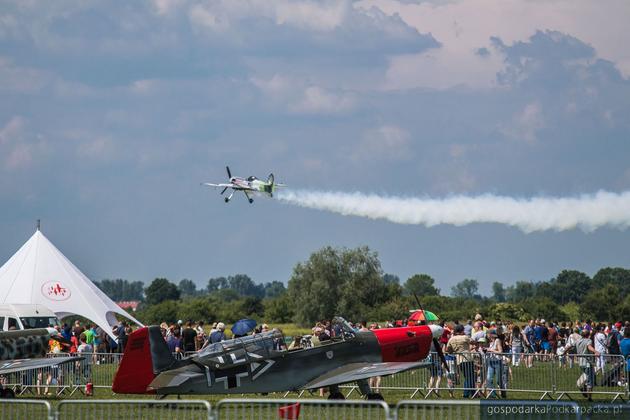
point(129, 304)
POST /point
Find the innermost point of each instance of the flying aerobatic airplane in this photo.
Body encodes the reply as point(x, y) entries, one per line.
point(252, 364)
point(22, 350)
point(249, 185)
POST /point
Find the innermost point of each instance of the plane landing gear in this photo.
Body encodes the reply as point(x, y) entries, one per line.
point(227, 200)
point(251, 200)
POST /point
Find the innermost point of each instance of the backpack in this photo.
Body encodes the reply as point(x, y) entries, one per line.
point(612, 343)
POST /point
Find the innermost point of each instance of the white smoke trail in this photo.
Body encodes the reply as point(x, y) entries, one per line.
point(587, 212)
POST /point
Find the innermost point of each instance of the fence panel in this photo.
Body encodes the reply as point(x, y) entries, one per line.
point(25, 409)
point(134, 409)
point(486, 409)
point(529, 375)
point(606, 375)
point(246, 409)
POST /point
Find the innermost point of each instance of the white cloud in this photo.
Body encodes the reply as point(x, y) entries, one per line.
point(387, 142)
point(299, 97)
point(18, 147)
point(462, 27)
point(525, 124)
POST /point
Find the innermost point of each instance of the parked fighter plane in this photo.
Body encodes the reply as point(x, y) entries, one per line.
point(249, 185)
point(22, 350)
point(252, 364)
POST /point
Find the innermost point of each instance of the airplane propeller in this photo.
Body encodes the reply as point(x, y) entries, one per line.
point(228, 172)
point(436, 343)
point(438, 349)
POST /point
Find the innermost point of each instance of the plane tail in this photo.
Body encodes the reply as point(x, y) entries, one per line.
point(270, 184)
point(146, 355)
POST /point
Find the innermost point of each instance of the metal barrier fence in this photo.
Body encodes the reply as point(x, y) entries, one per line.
point(134, 409)
point(488, 375)
point(478, 410)
point(605, 375)
point(246, 409)
point(25, 409)
point(481, 375)
point(308, 409)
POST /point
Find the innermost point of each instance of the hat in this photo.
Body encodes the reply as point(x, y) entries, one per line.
point(478, 317)
point(542, 320)
point(221, 326)
point(180, 322)
point(618, 325)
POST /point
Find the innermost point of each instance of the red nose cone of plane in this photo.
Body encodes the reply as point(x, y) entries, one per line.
point(407, 344)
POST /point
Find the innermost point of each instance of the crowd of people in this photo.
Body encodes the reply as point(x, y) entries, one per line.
point(500, 346)
point(480, 354)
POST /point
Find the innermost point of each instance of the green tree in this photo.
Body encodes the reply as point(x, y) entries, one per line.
point(521, 291)
point(244, 286)
point(498, 291)
point(618, 277)
point(187, 287)
point(466, 288)
point(421, 285)
point(160, 290)
point(391, 278)
point(568, 286)
point(279, 309)
point(333, 282)
point(274, 289)
point(602, 304)
point(216, 283)
point(121, 289)
point(166, 311)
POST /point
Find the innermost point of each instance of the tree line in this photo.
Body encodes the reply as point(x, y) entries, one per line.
point(351, 283)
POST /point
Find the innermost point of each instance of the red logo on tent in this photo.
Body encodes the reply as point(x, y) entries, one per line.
point(54, 290)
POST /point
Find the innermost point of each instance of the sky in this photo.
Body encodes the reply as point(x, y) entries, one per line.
point(113, 113)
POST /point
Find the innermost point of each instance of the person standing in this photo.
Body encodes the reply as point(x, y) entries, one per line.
point(584, 350)
point(189, 335)
point(624, 347)
point(601, 345)
point(459, 344)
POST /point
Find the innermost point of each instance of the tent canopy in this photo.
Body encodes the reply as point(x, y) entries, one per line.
point(39, 273)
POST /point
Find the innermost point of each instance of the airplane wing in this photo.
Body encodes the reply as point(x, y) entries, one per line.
point(357, 371)
point(11, 366)
point(209, 184)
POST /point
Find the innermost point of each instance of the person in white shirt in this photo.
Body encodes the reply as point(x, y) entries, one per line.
point(601, 345)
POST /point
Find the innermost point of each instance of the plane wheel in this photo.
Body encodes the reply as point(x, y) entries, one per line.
point(251, 200)
point(336, 396)
point(375, 396)
point(227, 199)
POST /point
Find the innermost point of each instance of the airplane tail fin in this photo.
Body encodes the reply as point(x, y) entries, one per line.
point(271, 187)
point(146, 355)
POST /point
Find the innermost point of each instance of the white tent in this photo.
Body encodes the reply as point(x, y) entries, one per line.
point(39, 273)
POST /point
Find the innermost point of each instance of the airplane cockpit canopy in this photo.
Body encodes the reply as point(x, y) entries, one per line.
point(251, 178)
point(342, 328)
point(241, 350)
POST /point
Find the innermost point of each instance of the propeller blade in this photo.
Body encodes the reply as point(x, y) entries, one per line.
point(228, 171)
point(438, 349)
point(224, 190)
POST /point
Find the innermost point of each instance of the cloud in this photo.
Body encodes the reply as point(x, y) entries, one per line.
point(463, 28)
point(19, 149)
point(384, 143)
point(526, 124)
point(297, 97)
